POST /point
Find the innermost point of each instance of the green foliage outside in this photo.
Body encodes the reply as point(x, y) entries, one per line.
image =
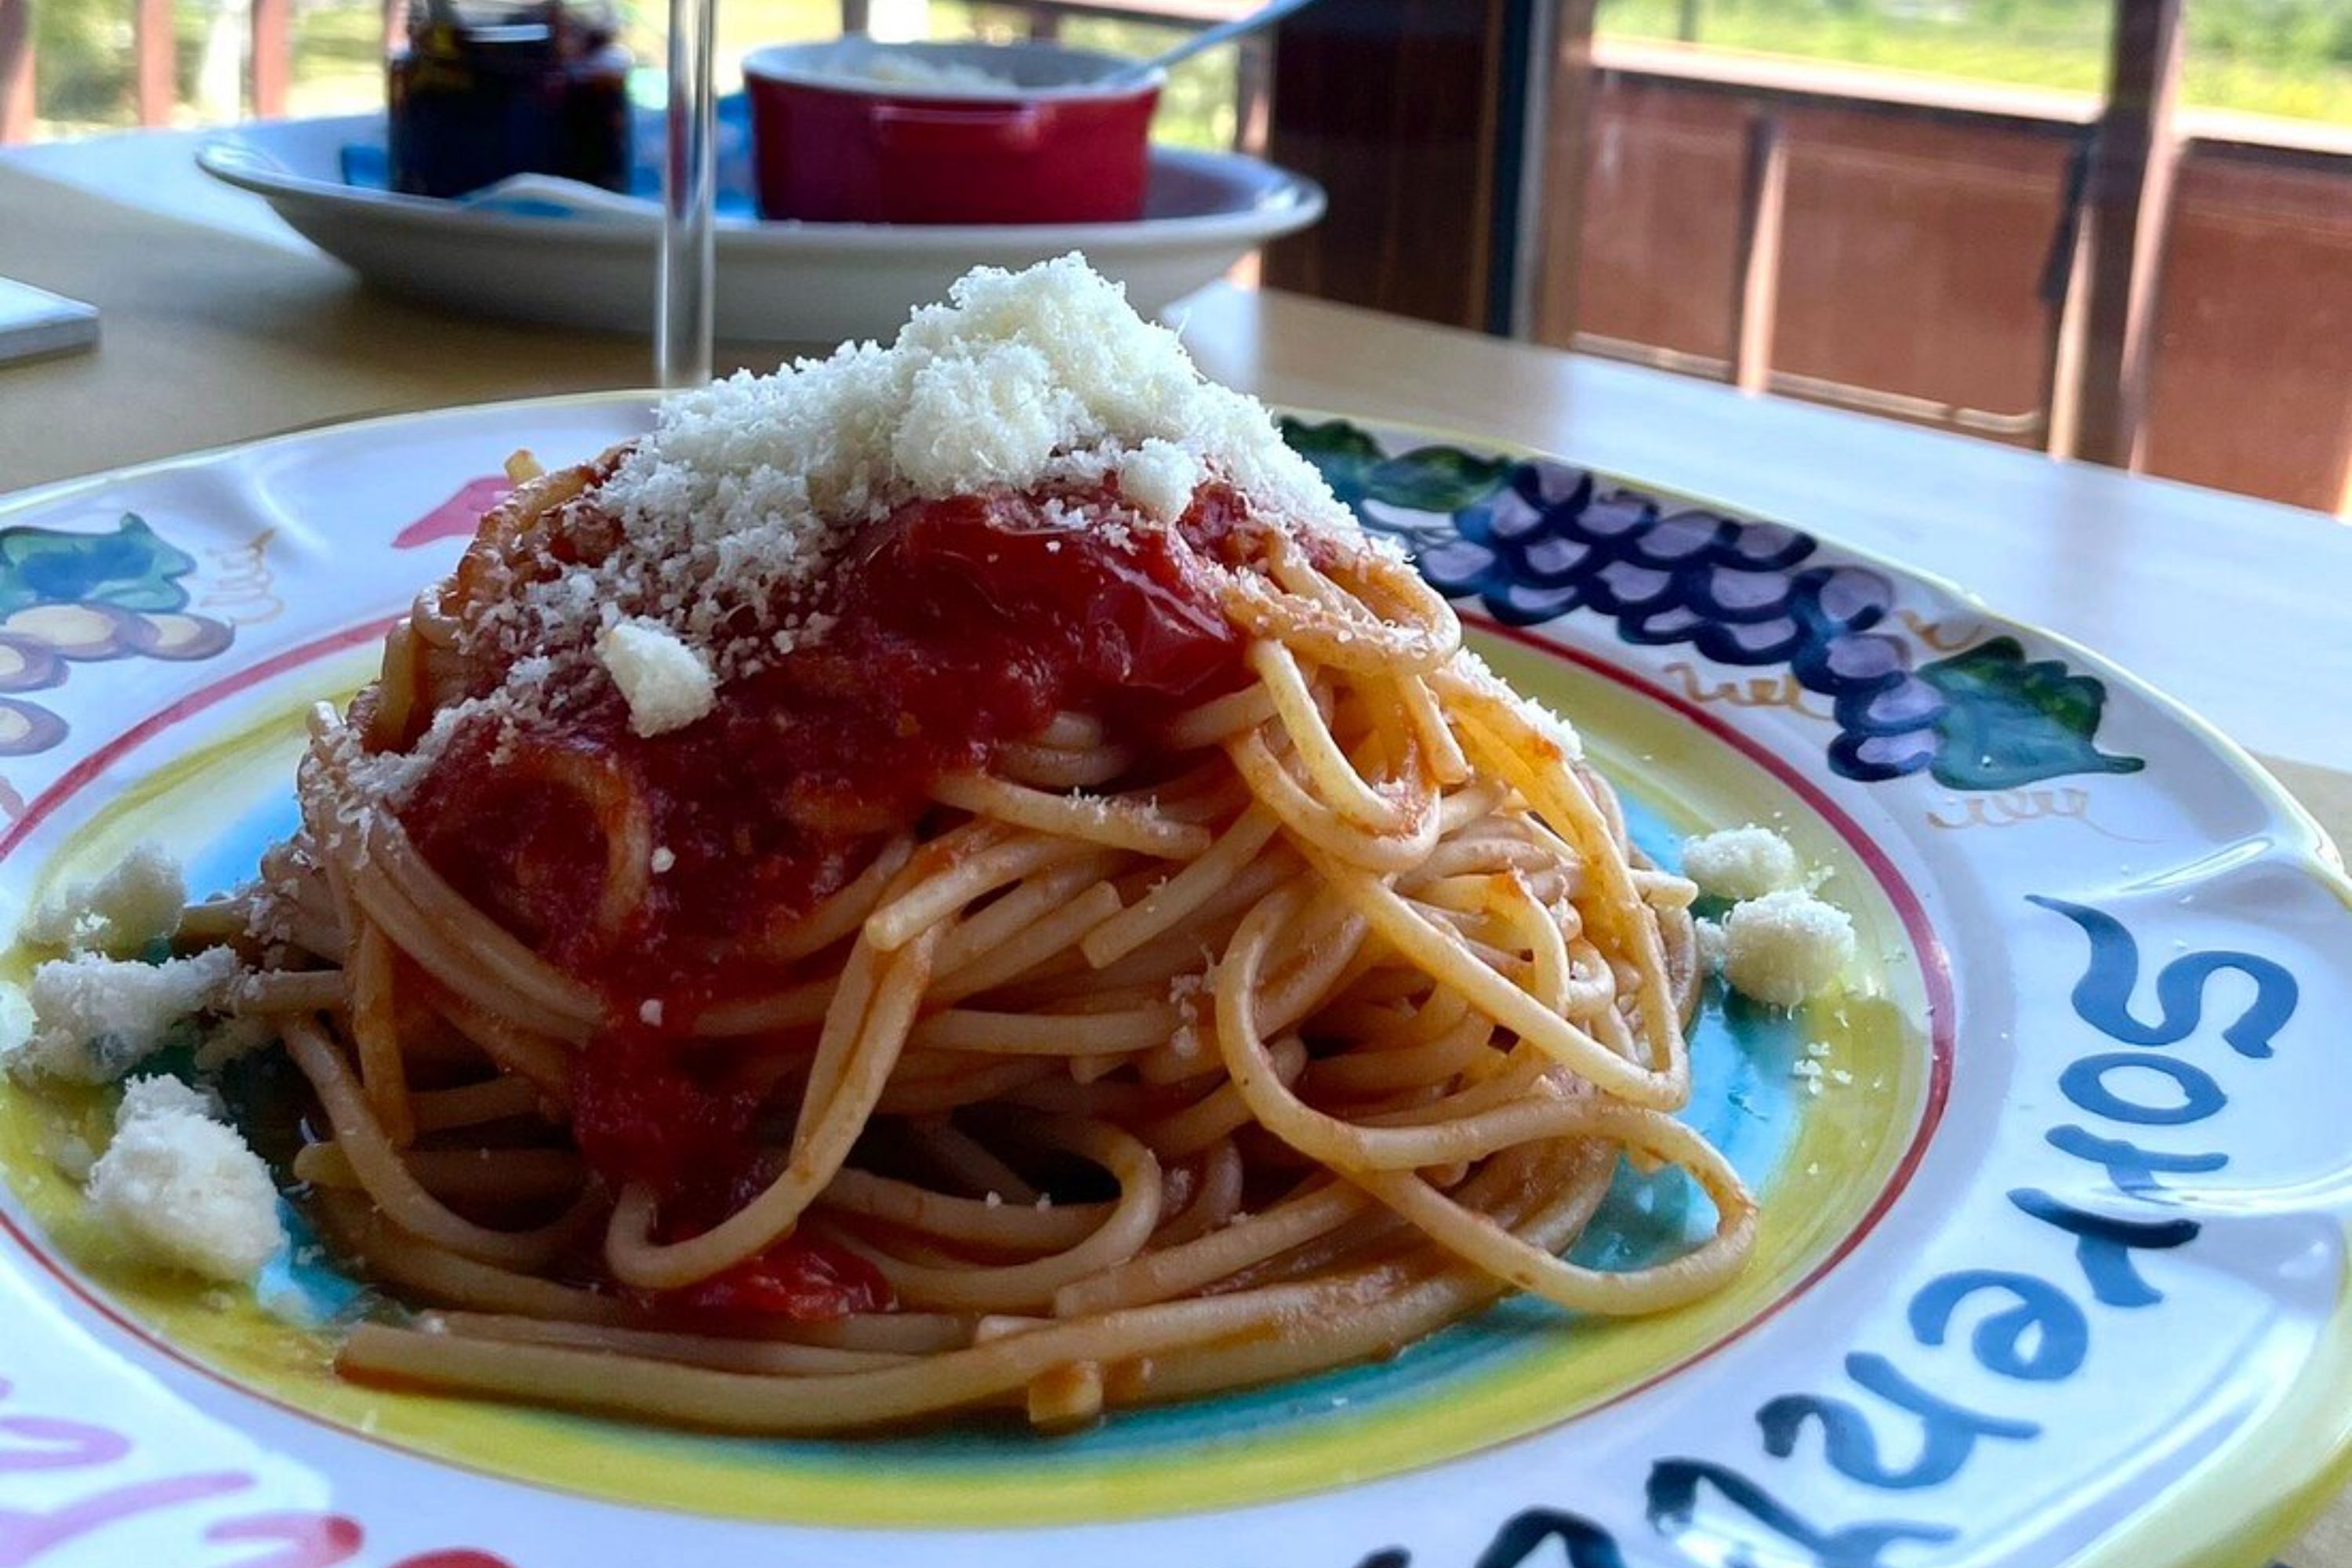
point(2289, 58)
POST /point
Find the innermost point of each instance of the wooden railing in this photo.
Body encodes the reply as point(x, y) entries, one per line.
point(1961, 257)
point(1747, 123)
point(268, 55)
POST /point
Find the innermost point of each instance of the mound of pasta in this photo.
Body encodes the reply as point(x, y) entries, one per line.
point(957, 877)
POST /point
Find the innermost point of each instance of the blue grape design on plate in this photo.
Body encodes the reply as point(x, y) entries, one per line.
point(76, 598)
point(1536, 541)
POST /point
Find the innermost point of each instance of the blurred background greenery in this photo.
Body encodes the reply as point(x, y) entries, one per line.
point(2288, 58)
point(82, 55)
point(2285, 58)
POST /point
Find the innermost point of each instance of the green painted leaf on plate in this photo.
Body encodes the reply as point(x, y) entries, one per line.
point(131, 568)
point(1341, 453)
point(1437, 479)
point(2012, 721)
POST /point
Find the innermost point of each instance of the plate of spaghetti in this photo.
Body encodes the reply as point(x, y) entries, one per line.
point(981, 949)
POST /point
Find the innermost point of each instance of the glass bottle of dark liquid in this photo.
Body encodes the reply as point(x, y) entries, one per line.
point(488, 88)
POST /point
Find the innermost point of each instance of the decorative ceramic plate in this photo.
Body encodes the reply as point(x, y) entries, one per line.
point(803, 282)
point(2054, 1258)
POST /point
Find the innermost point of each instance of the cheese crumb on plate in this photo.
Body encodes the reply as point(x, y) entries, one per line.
point(90, 1019)
point(135, 903)
point(1785, 947)
point(179, 1185)
point(1741, 863)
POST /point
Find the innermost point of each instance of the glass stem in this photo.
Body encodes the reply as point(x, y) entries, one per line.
point(687, 281)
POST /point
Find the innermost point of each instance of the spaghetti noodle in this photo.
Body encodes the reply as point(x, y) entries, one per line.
point(1115, 961)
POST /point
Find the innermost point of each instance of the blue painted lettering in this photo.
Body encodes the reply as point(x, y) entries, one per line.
point(1587, 1545)
point(2132, 1168)
point(2104, 1246)
point(1674, 1507)
point(2039, 1339)
point(1948, 1433)
point(2085, 1083)
point(2103, 996)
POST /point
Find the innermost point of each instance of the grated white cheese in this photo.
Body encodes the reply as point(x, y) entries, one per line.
point(725, 518)
point(180, 1185)
point(136, 902)
point(1709, 937)
point(754, 484)
point(95, 1018)
point(165, 1096)
point(1160, 478)
point(1785, 947)
point(1740, 862)
point(665, 683)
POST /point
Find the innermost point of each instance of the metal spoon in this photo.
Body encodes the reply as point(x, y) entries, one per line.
point(1265, 16)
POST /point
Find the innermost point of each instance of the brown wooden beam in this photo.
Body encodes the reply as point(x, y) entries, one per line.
point(15, 70)
point(2127, 206)
point(270, 67)
point(1393, 106)
point(1812, 84)
point(152, 54)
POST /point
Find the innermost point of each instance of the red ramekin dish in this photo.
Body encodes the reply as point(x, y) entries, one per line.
point(852, 130)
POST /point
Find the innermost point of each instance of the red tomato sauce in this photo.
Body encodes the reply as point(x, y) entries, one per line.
point(959, 626)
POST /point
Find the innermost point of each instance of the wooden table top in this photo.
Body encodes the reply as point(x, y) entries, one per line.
point(219, 327)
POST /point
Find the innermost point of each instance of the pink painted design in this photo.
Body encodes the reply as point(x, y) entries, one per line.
point(298, 1538)
point(29, 1534)
point(62, 1445)
point(457, 517)
point(307, 1539)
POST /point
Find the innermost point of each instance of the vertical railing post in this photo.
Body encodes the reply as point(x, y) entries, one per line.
point(2344, 501)
point(1568, 118)
point(2127, 206)
point(1756, 289)
point(1253, 87)
point(15, 70)
point(270, 63)
point(152, 54)
point(1522, 84)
